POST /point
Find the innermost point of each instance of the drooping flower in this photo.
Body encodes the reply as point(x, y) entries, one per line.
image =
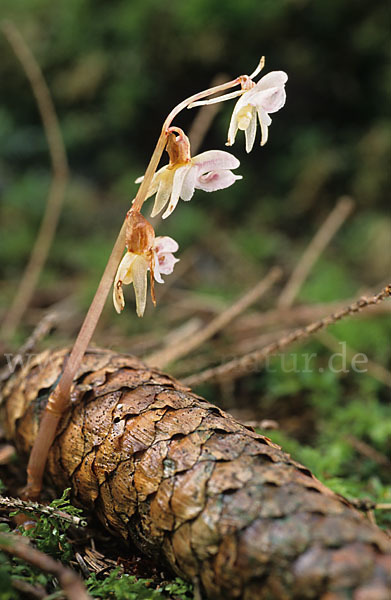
point(208, 171)
point(133, 268)
point(144, 253)
point(265, 97)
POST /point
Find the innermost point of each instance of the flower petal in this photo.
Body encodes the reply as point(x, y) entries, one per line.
point(272, 79)
point(165, 243)
point(189, 183)
point(271, 100)
point(216, 180)
point(167, 262)
point(215, 159)
point(118, 297)
point(156, 268)
point(124, 271)
point(123, 276)
point(233, 125)
point(162, 196)
point(155, 181)
point(269, 92)
point(179, 176)
point(250, 132)
point(264, 121)
point(139, 270)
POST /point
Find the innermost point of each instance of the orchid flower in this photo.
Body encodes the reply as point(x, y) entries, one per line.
point(256, 99)
point(144, 253)
point(266, 96)
point(208, 171)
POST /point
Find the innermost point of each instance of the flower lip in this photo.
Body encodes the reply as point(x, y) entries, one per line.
point(165, 260)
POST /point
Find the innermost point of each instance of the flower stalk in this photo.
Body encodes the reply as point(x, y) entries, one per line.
point(59, 400)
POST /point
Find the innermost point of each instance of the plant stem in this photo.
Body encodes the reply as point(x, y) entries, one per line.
point(59, 400)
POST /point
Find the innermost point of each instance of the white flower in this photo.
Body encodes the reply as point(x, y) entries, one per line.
point(134, 269)
point(208, 171)
point(266, 96)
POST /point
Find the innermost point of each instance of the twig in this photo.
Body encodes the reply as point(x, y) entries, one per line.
point(251, 362)
point(57, 187)
point(175, 351)
point(33, 507)
point(377, 371)
point(367, 505)
point(299, 314)
point(185, 330)
point(367, 451)
point(28, 590)
point(40, 331)
point(69, 580)
point(313, 251)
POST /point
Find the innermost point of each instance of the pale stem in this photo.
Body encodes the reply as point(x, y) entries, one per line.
point(217, 100)
point(59, 400)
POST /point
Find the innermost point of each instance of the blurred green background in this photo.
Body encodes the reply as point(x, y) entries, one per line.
point(115, 69)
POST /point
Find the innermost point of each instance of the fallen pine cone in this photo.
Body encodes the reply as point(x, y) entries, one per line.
point(191, 486)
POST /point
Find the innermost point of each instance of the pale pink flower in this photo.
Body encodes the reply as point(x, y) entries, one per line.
point(265, 97)
point(208, 171)
point(163, 250)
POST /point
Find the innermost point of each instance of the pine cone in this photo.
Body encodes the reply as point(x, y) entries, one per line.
point(192, 487)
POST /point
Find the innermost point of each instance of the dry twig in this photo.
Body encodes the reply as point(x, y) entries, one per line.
point(69, 580)
point(298, 314)
point(251, 362)
point(40, 331)
point(34, 507)
point(325, 233)
point(58, 184)
point(175, 351)
point(319, 242)
point(368, 451)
